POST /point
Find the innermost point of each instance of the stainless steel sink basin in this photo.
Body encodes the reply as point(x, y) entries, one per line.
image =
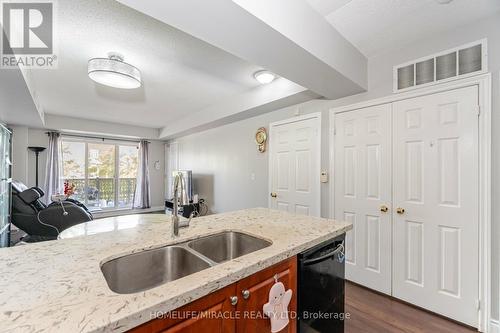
point(227, 245)
point(145, 270)
point(148, 269)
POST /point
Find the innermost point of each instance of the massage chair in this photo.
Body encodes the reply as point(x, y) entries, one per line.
point(40, 221)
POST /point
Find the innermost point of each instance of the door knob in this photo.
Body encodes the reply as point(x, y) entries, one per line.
point(246, 294)
point(234, 300)
point(384, 209)
point(273, 194)
point(400, 210)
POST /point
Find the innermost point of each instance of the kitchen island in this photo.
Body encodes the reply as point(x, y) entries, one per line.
point(58, 286)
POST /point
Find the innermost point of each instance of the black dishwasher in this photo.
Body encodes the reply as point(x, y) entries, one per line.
point(321, 291)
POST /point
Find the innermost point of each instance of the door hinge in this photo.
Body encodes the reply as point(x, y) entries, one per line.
point(478, 110)
point(478, 304)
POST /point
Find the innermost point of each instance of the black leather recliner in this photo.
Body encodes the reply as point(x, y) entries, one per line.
point(42, 222)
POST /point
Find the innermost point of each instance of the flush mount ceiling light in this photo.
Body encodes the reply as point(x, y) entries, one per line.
point(113, 72)
point(444, 2)
point(264, 77)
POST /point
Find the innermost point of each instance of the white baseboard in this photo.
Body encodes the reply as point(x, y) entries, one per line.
point(120, 212)
point(494, 326)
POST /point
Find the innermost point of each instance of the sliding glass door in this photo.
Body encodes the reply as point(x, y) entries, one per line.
point(103, 174)
point(101, 165)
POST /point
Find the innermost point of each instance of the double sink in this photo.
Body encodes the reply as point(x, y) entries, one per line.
point(148, 269)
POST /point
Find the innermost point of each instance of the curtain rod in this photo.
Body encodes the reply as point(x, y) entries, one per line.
point(97, 137)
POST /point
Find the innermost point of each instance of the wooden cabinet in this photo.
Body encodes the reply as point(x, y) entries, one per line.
point(219, 313)
point(256, 287)
point(203, 315)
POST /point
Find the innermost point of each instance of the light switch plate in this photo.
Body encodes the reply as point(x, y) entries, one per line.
point(324, 176)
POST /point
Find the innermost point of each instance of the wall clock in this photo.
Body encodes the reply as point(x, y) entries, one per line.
point(261, 138)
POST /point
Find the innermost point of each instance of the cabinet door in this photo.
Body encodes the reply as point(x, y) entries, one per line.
point(251, 316)
point(214, 316)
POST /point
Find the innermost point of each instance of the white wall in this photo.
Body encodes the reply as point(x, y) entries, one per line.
point(24, 161)
point(93, 127)
point(228, 171)
point(17, 105)
point(157, 176)
point(223, 159)
point(20, 153)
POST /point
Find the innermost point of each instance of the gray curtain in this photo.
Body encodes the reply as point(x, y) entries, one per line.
point(53, 176)
point(142, 195)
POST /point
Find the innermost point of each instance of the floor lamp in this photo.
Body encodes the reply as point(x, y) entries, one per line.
point(37, 151)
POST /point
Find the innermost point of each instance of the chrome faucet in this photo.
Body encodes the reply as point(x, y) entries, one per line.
point(180, 198)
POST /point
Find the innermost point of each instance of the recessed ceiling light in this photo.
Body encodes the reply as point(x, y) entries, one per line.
point(264, 77)
point(113, 72)
point(444, 2)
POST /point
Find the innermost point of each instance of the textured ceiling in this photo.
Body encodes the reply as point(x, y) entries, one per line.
point(377, 25)
point(181, 74)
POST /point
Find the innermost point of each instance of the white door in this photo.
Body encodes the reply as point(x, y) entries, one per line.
point(436, 183)
point(362, 176)
point(295, 147)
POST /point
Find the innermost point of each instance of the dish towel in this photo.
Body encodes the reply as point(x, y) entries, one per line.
point(277, 307)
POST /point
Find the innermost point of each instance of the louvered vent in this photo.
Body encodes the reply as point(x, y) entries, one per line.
point(467, 60)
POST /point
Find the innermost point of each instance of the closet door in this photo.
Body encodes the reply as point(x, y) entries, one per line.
point(436, 203)
point(362, 176)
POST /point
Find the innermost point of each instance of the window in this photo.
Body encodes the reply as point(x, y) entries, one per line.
point(103, 174)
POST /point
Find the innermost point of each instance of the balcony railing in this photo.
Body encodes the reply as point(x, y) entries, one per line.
point(99, 193)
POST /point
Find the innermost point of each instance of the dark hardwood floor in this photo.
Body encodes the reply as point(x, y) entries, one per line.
point(371, 312)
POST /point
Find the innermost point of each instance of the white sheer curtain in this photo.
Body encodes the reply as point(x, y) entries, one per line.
point(53, 177)
point(142, 195)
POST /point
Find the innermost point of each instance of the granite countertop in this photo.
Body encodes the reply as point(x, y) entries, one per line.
point(58, 286)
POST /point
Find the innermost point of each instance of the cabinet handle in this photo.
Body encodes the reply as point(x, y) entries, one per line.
point(234, 300)
point(384, 209)
point(273, 194)
point(400, 210)
point(246, 294)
